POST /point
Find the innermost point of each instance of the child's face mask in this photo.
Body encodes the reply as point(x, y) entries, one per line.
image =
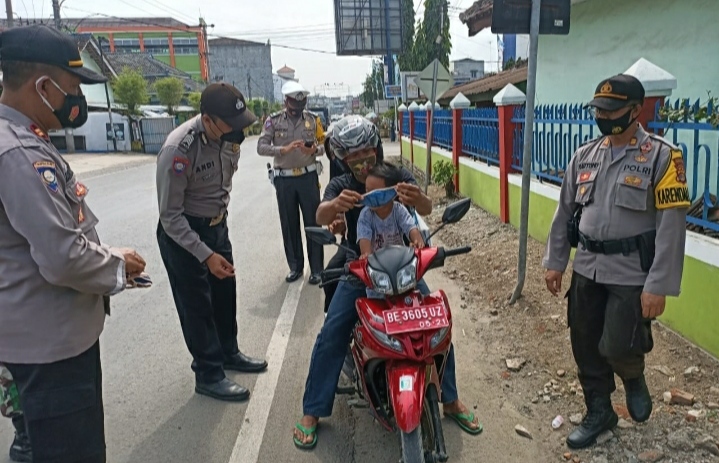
point(379, 198)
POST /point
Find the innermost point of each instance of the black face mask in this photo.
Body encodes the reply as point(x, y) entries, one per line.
point(615, 126)
point(73, 112)
point(295, 107)
point(235, 137)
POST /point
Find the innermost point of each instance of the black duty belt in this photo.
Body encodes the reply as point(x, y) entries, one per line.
point(206, 221)
point(623, 246)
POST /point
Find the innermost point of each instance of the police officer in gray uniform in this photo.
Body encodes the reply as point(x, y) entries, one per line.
point(623, 205)
point(194, 180)
point(56, 274)
point(294, 138)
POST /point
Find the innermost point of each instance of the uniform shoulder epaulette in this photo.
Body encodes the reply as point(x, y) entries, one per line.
point(187, 141)
point(589, 143)
point(662, 140)
point(275, 115)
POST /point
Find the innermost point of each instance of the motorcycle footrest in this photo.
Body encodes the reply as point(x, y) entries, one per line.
point(345, 390)
point(358, 403)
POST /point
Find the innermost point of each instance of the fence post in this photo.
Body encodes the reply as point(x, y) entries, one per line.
point(401, 109)
point(458, 104)
point(507, 100)
point(429, 139)
point(413, 108)
point(658, 84)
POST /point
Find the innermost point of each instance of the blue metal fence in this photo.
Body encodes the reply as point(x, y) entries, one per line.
point(420, 125)
point(405, 124)
point(442, 129)
point(558, 131)
point(480, 134)
point(684, 124)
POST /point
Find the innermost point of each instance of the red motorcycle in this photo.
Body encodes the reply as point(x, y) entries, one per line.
point(401, 342)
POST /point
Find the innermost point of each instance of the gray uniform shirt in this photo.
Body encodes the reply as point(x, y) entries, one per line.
point(194, 177)
point(644, 188)
point(280, 130)
point(55, 273)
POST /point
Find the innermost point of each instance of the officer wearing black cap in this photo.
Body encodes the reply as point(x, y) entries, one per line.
point(623, 205)
point(56, 274)
point(194, 179)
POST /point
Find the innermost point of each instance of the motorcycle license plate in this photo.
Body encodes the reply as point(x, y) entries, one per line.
point(415, 319)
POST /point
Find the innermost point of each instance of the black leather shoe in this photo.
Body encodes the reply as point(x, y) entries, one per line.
point(600, 417)
point(294, 275)
point(639, 402)
point(315, 279)
point(20, 449)
point(245, 364)
point(223, 390)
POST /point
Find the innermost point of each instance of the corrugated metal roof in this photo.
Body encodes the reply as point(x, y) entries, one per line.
point(487, 84)
point(229, 42)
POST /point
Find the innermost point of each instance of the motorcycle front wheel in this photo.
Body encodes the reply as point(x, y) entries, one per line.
point(418, 444)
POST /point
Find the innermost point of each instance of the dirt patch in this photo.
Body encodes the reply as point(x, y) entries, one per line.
point(542, 382)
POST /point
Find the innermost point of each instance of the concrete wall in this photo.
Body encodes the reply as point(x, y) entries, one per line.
point(608, 36)
point(693, 314)
point(233, 63)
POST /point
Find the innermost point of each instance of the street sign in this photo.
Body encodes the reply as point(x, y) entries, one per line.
point(392, 91)
point(444, 80)
point(512, 17)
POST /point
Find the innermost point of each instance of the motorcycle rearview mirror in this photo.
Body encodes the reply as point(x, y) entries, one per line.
point(320, 235)
point(453, 214)
point(456, 211)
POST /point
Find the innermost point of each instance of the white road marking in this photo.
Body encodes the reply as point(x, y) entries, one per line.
point(249, 440)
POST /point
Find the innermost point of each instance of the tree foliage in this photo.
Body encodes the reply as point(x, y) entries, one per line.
point(130, 90)
point(419, 45)
point(170, 91)
point(193, 99)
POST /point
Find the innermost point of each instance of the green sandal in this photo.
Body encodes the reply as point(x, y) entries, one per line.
point(461, 419)
point(307, 432)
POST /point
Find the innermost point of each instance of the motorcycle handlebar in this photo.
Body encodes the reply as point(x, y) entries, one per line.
point(457, 251)
point(333, 273)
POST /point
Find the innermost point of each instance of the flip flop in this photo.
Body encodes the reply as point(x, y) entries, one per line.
point(307, 432)
point(461, 419)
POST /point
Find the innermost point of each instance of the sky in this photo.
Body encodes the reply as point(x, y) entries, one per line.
point(288, 24)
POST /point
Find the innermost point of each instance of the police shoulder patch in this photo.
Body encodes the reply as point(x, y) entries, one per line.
point(179, 165)
point(48, 173)
point(671, 190)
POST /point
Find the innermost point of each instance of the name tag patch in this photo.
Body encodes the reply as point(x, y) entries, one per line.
point(47, 172)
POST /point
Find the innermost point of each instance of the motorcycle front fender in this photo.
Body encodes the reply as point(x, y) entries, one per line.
point(406, 391)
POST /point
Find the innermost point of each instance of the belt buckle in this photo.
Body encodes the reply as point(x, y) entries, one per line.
point(297, 171)
point(215, 221)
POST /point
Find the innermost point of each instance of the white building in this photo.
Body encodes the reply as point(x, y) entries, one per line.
point(283, 75)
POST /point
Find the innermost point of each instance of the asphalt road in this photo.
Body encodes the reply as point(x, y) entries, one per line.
point(152, 413)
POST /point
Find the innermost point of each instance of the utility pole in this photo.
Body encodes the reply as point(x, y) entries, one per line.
point(69, 135)
point(8, 9)
point(428, 166)
point(527, 153)
point(249, 87)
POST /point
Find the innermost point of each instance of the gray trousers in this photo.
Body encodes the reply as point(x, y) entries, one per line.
point(295, 194)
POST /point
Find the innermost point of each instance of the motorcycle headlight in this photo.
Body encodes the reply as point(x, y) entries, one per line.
point(380, 280)
point(438, 337)
point(386, 339)
point(407, 277)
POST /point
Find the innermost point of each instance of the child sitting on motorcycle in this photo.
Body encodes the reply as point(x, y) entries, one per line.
point(384, 222)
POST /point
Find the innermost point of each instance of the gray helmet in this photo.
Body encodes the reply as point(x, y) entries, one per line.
point(351, 134)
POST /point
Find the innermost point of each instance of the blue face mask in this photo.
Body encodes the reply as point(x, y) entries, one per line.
point(379, 198)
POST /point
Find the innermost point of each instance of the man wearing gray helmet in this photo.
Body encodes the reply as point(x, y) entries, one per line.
point(355, 141)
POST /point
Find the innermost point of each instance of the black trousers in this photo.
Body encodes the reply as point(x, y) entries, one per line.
point(337, 261)
point(206, 305)
point(608, 333)
point(62, 404)
point(295, 194)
